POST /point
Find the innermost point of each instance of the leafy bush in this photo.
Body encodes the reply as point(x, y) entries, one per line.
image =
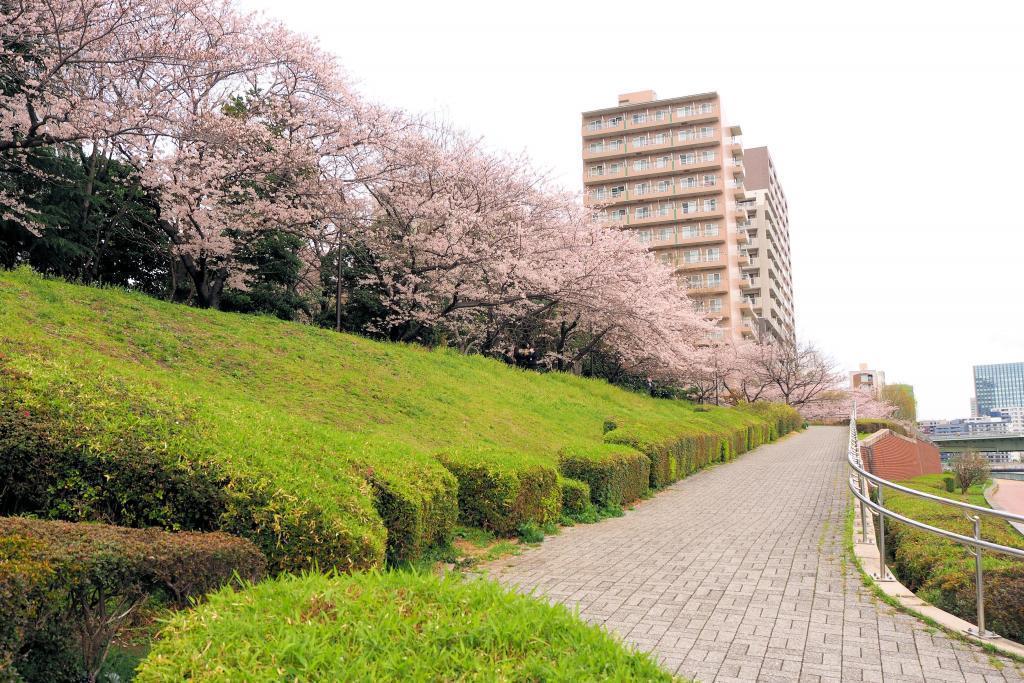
point(575, 497)
point(530, 532)
point(501, 491)
point(67, 588)
point(942, 571)
point(870, 426)
point(386, 626)
point(615, 474)
point(950, 484)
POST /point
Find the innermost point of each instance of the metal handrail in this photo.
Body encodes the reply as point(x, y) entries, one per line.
point(859, 483)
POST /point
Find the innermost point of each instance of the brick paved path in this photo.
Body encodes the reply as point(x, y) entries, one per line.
point(737, 574)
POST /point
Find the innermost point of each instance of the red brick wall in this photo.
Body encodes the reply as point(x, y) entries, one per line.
point(896, 457)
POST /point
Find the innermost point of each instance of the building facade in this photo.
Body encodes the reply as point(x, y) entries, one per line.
point(769, 268)
point(998, 385)
point(865, 378)
point(671, 172)
point(970, 426)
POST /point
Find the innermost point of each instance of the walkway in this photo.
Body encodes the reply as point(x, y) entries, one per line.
point(1009, 496)
point(737, 574)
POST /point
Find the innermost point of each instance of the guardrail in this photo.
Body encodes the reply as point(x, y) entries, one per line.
point(861, 484)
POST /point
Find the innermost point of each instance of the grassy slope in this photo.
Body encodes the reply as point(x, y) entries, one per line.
point(942, 571)
point(317, 412)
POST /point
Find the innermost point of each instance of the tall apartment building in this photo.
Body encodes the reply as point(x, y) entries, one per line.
point(998, 385)
point(671, 172)
point(770, 266)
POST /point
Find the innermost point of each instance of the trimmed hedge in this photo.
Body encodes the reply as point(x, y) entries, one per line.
point(502, 491)
point(870, 426)
point(399, 626)
point(616, 474)
point(942, 571)
point(418, 499)
point(66, 588)
point(575, 496)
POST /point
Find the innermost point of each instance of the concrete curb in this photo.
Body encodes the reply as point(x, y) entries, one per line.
point(867, 554)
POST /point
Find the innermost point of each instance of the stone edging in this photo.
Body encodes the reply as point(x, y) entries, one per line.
point(867, 557)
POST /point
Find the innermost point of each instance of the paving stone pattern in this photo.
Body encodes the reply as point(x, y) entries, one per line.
point(737, 573)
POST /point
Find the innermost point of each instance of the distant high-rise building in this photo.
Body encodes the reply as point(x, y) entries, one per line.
point(865, 378)
point(769, 268)
point(998, 385)
point(671, 173)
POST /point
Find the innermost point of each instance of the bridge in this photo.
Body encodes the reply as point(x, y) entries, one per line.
point(1013, 441)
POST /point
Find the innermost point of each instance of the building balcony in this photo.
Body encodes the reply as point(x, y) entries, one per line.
point(591, 131)
point(608, 152)
point(749, 283)
point(675, 240)
point(719, 287)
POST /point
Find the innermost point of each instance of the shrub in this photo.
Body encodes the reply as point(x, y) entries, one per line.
point(387, 626)
point(575, 497)
point(501, 491)
point(942, 571)
point(69, 587)
point(418, 500)
point(950, 484)
point(615, 474)
point(870, 426)
point(530, 532)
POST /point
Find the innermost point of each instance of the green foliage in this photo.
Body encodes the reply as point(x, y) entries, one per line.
point(387, 626)
point(901, 396)
point(67, 588)
point(575, 497)
point(615, 474)
point(502, 491)
point(319, 447)
point(942, 571)
point(530, 532)
point(949, 483)
point(870, 426)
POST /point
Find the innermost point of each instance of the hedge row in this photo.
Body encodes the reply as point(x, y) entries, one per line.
point(575, 496)
point(942, 571)
point(66, 588)
point(615, 474)
point(400, 626)
point(501, 491)
point(870, 426)
point(132, 484)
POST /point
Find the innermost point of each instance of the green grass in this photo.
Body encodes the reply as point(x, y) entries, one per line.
point(941, 571)
point(326, 441)
point(386, 626)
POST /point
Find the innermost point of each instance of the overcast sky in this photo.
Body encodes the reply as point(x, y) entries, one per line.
point(895, 127)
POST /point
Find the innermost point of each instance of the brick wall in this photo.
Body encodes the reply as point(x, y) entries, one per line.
point(896, 457)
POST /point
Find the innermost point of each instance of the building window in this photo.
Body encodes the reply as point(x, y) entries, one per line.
point(641, 165)
point(665, 234)
point(688, 158)
point(664, 209)
point(687, 134)
point(614, 121)
point(640, 141)
point(707, 155)
point(614, 168)
point(595, 125)
point(710, 180)
point(714, 279)
point(596, 147)
point(618, 190)
point(599, 193)
point(693, 255)
point(706, 107)
point(661, 138)
point(643, 236)
point(618, 214)
point(642, 212)
point(641, 188)
point(688, 181)
point(640, 118)
point(716, 305)
point(711, 229)
point(710, 204)
point(661, 115)
point(614, 144)
point(662, 162)
point(688, 207)
point(712, 254)
point(685, 110)
point(690, 231)
point(664, 185)
point(707, 132)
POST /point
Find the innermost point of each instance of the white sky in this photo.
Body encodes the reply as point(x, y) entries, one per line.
point(894, 126)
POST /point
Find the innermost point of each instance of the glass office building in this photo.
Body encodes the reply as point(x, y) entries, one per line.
point(998, 386)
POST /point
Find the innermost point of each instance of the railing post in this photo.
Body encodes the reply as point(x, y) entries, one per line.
point(979, 578)
point(883, 575)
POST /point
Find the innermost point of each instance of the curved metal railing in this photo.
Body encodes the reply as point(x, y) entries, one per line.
point(861, 482)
